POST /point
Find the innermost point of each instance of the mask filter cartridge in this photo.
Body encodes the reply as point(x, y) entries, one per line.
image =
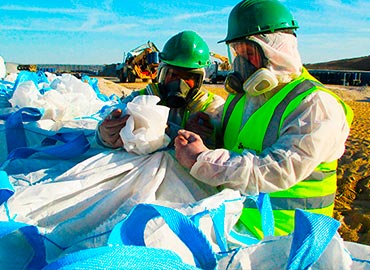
point(260, 82)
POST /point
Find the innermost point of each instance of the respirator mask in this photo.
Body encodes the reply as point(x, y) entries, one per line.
point(177, 93)
point(249, 74)
point(179, 85)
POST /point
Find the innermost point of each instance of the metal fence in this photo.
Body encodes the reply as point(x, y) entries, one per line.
point(342, 77)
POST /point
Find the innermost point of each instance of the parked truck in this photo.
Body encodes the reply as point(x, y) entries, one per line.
point(219, 68)
point(139, 63)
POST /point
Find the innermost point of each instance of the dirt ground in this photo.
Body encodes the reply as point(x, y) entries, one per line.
point(352, 204)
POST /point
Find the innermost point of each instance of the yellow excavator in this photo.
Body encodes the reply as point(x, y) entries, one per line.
point(141, 62)
point(218, 70)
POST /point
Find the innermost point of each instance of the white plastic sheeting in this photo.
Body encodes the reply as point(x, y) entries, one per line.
point(80, 206)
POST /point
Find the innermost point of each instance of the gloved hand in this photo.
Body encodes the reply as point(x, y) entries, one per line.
point(110, 128)
point(188, 146)
point(200, 123)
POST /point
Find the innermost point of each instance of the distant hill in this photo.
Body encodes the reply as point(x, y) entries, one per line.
point(359, 63)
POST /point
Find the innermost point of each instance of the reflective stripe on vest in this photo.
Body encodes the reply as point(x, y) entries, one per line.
point(293, 203)
point(272, 131)
point(229, 105)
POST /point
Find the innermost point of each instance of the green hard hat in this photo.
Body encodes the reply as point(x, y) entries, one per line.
point(250, 17)
point(187, 50)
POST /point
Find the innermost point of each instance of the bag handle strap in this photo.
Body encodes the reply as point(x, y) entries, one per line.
point(15, 134)
point(218, 216)
point(33, 237)
point(263, 204)
point(312, 234)
point(6, 188)
point(75, 144)
point(121, 257)
point(130, 231)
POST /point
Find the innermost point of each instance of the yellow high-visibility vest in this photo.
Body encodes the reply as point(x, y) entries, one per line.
point(316, 193)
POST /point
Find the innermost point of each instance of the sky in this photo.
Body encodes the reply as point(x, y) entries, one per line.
point(101, 31)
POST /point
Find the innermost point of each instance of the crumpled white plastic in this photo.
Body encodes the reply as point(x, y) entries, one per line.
point(144, 132)
point(67, 99)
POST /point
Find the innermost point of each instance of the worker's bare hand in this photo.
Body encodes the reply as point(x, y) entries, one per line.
point(201, 124)
point(188, 146)
point(110, 128)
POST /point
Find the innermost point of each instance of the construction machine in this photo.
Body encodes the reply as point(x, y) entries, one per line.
point(32, 68)
point(141, 62)
point(218, 71)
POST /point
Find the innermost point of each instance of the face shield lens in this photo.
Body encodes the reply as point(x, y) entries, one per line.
point(180, 84)
point(247, 57)
point(194, 80)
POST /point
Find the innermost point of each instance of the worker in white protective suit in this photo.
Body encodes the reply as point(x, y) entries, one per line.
point(2, 68)
point(283, 131)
